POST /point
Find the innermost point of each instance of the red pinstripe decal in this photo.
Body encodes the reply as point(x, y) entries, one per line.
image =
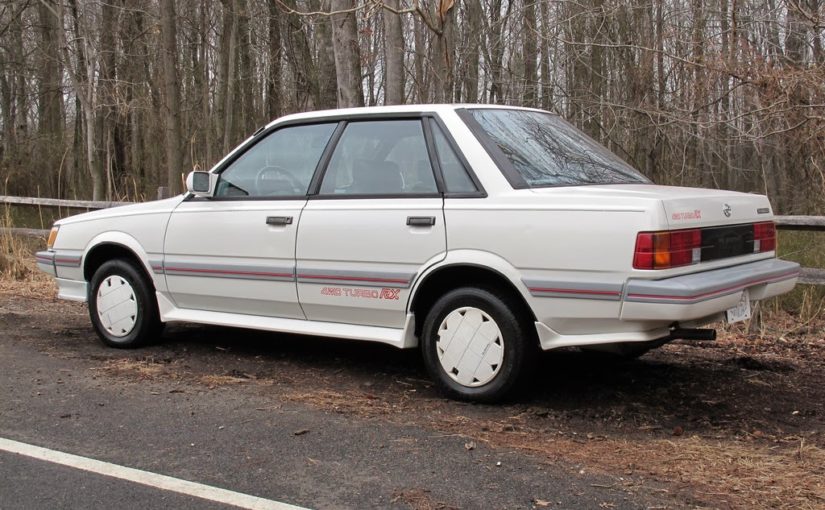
point(783, 276)
point(576, 291)
point(68, 261)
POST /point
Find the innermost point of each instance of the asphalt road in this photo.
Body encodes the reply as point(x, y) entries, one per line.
point(243, 438)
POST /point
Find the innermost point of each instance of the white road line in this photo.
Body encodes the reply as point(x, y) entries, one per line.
point(163, 482)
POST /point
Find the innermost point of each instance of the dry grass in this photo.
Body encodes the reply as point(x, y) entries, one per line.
point(142, 368)
point(18, 271)
point(730, 473)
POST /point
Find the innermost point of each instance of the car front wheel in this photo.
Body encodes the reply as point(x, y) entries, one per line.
point(122, 305)
point(474, 344)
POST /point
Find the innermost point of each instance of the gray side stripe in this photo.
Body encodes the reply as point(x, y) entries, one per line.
point(355, 278)
point(67, 260)
point(234, 271)
point(574, 290)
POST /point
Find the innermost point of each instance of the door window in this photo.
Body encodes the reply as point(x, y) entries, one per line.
point(280, 165)
point(387, 157)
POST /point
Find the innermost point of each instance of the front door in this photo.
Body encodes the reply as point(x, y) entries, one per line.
point(235, 252)
point(376, 222)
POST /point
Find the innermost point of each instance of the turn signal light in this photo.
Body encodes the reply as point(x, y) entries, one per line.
point(764, 237)
point(663, 250)
point(52, 237)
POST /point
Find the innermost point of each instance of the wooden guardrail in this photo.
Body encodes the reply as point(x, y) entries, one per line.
point(813, 276)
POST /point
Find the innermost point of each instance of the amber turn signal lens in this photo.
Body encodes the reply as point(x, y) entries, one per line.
point(52, 237)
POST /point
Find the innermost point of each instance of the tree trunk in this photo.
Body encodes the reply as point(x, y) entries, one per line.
point(443, 53)
point(530, 97)
point(394, 55)
point(325, 82)
point(174, 149)
point(273, 84)
point(347, 54)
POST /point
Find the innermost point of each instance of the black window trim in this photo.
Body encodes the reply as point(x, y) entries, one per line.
point(256, 138)
point(314, 191)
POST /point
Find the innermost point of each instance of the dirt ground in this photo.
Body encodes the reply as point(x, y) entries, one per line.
point(735, 423)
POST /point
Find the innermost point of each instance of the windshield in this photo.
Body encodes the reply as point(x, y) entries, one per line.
point(539, 149)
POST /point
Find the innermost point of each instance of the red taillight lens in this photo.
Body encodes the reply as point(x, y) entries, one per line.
point(663, 250)
point(764, 237)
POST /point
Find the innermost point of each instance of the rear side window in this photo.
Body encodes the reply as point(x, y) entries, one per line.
point(455, 175)
point(280, 165)
point(387, 157)
point(538, 149)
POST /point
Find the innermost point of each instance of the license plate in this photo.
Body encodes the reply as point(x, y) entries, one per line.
point(741, 311)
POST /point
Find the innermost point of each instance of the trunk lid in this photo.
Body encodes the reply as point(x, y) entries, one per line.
point(683, 207)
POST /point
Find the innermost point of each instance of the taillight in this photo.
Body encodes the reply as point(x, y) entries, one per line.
point(663, 250)
point(764, 237)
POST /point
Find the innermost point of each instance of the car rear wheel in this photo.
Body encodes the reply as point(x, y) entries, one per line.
point(474, 344)
point(122, 305)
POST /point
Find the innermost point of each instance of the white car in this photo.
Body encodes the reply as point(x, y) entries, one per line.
point(478, 233)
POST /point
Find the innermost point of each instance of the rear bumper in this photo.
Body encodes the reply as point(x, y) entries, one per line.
point(699, 295)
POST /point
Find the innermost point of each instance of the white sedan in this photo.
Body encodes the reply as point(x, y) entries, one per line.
point(478, 233)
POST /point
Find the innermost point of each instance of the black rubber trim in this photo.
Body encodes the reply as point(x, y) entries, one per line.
point(504, 165)
point(321, 168)
point(374, 197)
point(435, 166)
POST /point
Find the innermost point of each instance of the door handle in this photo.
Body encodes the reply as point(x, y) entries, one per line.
point(421, 221)
point(279, 220)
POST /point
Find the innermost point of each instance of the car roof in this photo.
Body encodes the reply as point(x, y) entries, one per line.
point(372, 110)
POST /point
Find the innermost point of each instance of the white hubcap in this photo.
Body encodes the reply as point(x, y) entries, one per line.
point(117, 306)
point(470, 346)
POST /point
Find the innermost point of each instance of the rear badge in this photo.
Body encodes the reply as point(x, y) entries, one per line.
point(763, 210)
point(726, 210)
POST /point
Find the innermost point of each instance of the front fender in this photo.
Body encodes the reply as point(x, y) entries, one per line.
point(130, 243)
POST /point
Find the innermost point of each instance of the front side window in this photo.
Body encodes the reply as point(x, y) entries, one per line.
point(280, 165)
point(544, 150)
point(387, 157)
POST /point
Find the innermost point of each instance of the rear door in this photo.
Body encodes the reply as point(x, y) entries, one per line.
point(235, 252)
point(375, 223)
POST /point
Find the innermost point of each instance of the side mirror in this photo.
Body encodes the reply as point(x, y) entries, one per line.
point(201, 184)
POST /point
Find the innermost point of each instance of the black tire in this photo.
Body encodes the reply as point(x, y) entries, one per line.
point(517, 340)
point(138, 320)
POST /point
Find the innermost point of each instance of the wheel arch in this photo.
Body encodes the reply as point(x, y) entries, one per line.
point(466, 270)
point(111, 246)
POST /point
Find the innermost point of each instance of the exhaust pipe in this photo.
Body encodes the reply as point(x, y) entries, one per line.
point(693, 334)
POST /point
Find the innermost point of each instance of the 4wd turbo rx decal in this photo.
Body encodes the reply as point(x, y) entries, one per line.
point(355, 292)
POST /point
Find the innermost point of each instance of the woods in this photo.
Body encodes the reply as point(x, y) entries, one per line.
point(109, 99)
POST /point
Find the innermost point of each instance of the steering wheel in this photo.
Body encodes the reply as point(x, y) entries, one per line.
point(274, 180)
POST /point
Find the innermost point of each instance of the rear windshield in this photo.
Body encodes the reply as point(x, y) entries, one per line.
point(536, 150)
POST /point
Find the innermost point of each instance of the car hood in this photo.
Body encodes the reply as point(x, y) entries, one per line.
point(153, 207)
